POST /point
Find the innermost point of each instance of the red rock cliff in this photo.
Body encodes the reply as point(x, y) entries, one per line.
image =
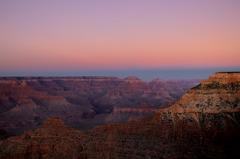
point(204, 123)
point(81, 102)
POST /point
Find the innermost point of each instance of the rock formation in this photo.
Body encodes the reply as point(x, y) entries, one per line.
point(52, 140)
point(204, 123)
point(81, 102)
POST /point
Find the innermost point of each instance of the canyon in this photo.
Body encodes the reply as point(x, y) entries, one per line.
point(203, 123)
point(82, 102)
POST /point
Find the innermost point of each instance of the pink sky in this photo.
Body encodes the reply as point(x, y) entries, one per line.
point(71, 34)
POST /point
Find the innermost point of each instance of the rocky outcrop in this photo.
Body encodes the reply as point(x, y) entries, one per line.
point(125, 114)
point(52, 140)
point(81, 102)
point(204, 123)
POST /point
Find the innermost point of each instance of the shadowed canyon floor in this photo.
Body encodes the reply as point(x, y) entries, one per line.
point(204, 123)
point(83, 102)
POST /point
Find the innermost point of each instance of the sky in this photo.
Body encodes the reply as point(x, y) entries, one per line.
point(110, 37)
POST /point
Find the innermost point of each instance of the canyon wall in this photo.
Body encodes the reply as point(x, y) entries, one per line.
point(82, 102)
point(204, 123)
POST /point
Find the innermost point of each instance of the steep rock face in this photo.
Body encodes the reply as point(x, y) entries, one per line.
point(125, 114)
point(204, 123)
point(81, 102)
point(220, 93)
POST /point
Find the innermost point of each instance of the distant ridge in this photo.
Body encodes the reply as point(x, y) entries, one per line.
point(83, 102)
point(229, 72)
point(204, 123)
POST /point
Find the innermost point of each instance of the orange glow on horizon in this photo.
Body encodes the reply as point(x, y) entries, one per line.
point(119, 35)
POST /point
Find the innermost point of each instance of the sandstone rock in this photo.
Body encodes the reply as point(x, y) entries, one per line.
point(81, 102)
point(204, 123)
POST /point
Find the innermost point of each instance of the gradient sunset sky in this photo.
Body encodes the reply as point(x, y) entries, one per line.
point(52, 36)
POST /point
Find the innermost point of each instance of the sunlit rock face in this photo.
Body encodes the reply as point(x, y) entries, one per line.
point(204, 123)
point(82, 102)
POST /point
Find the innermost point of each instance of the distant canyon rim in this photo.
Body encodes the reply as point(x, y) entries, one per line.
point(83, 102)
point(203, 123)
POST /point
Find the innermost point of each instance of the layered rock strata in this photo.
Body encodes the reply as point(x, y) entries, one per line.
point(204, 123)
point(81, 102)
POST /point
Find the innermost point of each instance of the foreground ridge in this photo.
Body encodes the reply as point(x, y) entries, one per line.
point(204, 123)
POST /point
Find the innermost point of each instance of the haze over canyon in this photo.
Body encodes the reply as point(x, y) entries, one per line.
point(119, 79)
point(83, 102)
point(203, 123)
